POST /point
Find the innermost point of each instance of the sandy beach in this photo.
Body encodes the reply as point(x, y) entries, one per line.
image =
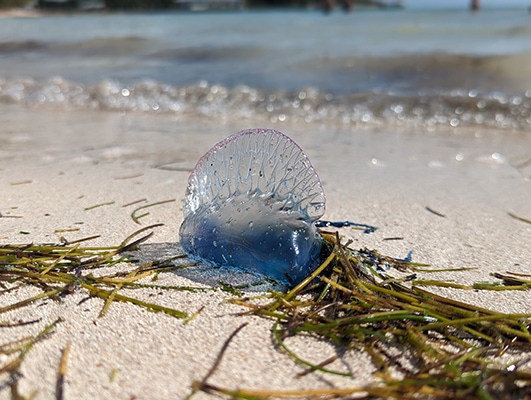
point(56, 165)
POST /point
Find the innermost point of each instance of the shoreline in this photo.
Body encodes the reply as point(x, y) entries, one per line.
point(20, 13)
point(58, 165)
point(33, 12)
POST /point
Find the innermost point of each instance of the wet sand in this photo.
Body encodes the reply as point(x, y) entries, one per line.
point(54, 165)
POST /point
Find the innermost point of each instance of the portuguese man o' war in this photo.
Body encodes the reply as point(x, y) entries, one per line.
point(252, 203)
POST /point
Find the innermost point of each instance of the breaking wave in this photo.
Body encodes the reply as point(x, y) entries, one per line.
point(451, 108)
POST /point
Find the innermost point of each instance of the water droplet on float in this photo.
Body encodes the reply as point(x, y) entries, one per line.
point(269, 201)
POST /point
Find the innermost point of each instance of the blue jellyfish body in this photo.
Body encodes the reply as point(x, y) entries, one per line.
point(252, 202)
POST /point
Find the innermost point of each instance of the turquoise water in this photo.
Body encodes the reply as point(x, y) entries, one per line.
point(444, 67)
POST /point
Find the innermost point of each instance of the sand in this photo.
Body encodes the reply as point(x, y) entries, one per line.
point(55, 164)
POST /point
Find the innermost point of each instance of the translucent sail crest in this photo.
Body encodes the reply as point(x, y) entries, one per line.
point(259, 162)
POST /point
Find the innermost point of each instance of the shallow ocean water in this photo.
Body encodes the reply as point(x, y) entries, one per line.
point(449, 68)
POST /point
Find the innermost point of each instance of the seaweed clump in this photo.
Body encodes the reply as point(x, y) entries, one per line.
point(446, 349)
point(59, 269)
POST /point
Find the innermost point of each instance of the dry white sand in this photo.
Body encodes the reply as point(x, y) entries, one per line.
point(53, 165)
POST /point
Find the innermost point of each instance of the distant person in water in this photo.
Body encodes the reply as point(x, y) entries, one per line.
point(327, 5)
point(474, 5)
point(347, 5)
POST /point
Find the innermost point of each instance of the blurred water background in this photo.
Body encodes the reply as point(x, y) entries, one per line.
point(440, 67)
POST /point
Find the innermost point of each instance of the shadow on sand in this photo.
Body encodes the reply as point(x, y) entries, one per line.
point(197, 273)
